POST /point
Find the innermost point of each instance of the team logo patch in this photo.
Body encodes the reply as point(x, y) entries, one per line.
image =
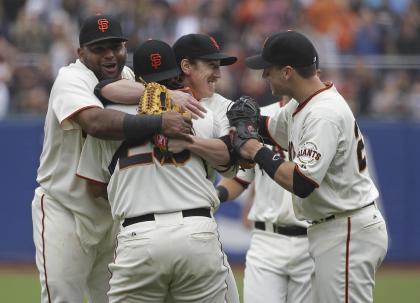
point(155, 60)
point(308, 153)
point(103, 25)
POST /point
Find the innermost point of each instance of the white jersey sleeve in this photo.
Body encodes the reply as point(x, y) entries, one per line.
point(95, 159)
point(317, 147)
point(76, 83)
point(219, 106)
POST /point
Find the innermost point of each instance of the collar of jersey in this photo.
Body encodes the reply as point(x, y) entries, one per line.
point(328, 85)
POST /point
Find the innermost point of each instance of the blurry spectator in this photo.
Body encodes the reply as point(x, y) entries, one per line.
point(367, 37)
point(62, 41)
point(5, 76)
point(187, 21)
point(413, 100)
point(33, 102)
point(29, 33)
point(37, 38)
point(391, 98)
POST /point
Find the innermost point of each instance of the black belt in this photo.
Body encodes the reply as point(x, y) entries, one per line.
point(333, 216)
point(293, 231)
point(195, 212)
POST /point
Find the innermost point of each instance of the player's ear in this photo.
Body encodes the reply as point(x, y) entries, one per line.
point(80, 53)
point(185, 66)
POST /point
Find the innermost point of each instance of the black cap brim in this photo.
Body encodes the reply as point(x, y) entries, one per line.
point(257, 62)
point(224, 59)
point(122, 39)
point(156, 77)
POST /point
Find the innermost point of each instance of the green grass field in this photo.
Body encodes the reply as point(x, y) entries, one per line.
point(392, 285)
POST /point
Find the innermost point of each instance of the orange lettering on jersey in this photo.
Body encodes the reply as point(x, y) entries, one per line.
point(214, 42)
point(155, 60)
point(103, 24)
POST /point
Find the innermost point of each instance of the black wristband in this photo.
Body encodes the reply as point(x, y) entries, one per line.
point(98, 93)
point(268, 160)
point(141, 127)
point(222, 193)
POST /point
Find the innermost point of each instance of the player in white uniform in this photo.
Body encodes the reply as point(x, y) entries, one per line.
point(168, 247)
point(278, 266)
point(72, 230)
point(327, 171)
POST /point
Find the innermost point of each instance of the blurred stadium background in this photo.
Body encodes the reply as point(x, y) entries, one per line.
point(370, 49)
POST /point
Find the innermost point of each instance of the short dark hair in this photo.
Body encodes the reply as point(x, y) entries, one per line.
point(306, 71)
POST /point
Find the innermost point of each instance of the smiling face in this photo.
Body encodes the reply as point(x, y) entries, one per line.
point(106, 59)
point(277, 78)
point(201, 76)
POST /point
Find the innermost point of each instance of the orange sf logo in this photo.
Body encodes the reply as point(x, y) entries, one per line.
point(214, 42)
point(103, 24)
point(155, 60)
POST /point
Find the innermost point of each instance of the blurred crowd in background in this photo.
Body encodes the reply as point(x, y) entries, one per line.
point(370, 49)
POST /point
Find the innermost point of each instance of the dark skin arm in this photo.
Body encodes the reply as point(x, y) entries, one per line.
point(108, 124)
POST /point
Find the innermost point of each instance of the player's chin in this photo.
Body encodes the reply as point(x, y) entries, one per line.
point(110, 73)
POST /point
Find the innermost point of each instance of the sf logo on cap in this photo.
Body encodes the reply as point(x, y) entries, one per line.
point(103, 24)
point(214, 42)
point(155, 60)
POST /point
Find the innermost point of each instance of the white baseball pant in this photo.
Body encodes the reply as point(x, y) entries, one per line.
point(278, 269)
point(347, 252)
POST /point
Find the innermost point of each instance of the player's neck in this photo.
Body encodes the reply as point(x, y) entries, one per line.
point(307, 88)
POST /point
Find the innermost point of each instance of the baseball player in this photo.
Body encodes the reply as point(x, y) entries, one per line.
point(168, 247)
point(278, 253)
point(327, 171)
point(72, 230)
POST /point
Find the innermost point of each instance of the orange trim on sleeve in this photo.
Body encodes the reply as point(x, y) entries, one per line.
point(78, 111)
point(92, 180)
point(305, 177)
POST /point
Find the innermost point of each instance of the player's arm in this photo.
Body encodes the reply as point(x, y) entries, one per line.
point(213, 150)
point(285, 173)
point(229, 189)
point(129, 92)
point(115, 125)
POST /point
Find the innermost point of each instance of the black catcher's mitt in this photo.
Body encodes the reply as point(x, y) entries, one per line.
point(244, 116)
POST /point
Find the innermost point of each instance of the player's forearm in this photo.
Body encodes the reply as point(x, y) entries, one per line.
point(279, 170)
point(115, 125)
point(123, 91)
point(213, 151)
point(233, 188)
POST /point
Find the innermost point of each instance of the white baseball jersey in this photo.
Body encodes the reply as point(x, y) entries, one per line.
point(161, 188)
point(71, 93)
point(272, 203)
point(218, 105)
point(327, 146)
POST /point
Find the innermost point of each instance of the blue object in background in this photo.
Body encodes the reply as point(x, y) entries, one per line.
point(395, 147)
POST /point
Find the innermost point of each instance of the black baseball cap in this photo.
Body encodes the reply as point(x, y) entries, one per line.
point(200, 46)
point(154, 61)
point(99, 28)
point(284, 48)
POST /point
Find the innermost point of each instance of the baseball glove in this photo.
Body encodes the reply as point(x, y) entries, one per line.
point(244, 116)
point(155, 101)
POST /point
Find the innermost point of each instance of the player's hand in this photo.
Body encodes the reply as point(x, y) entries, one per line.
point(178, 145)
point(187, 103)
point(249, 149)
point(175, 125)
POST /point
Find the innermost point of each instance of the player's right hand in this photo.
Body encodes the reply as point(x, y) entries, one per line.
point(176, 125)
point(187, 103)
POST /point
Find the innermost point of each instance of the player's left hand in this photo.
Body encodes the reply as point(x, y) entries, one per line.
point(187, 103)
point(178, 145)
